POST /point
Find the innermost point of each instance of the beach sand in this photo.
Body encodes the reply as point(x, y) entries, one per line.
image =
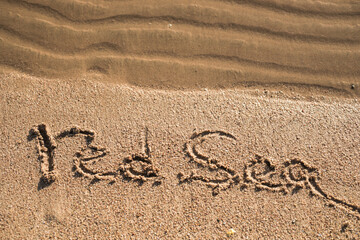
point(179, 120)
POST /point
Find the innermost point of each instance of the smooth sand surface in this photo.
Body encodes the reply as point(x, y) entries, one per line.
point(193, 119)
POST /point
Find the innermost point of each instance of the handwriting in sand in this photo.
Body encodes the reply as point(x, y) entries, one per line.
point(259, 173)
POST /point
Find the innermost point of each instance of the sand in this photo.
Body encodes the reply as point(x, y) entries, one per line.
point(179, 120)
point(186, 44)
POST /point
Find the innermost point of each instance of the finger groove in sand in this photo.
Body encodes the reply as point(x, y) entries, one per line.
point(289, 177)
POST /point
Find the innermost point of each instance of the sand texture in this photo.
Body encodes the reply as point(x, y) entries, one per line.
point(186, 44)
point(191, 119)
point(84, 159)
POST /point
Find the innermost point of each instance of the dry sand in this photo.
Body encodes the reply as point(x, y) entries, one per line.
point(180, 119)
point(216, 135)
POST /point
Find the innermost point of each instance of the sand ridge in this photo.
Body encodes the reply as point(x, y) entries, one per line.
point(186, 44)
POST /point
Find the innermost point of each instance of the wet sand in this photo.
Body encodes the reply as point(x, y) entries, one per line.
point(179, 120)
point(186, 44)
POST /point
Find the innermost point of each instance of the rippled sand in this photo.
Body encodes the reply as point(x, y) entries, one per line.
point(179, 119)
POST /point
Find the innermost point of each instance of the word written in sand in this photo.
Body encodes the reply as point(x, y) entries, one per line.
point(259, 173)
point(137, 167)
